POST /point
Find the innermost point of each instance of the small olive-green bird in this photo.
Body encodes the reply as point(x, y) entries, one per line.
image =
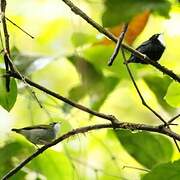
point(40, 134)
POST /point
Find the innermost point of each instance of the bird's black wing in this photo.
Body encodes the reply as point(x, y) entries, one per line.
point(36, 127)
point(143, 49)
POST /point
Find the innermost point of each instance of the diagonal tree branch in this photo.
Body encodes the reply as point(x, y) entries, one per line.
point(20, 28)
point(108, 34)
point(130, 126)
point(66, 100)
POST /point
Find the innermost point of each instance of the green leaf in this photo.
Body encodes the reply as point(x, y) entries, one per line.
point(89, 74)
point(99, 55)
point(92, 80)
point(7, 99)
point(159, 87)
point(173, 95)
point(168, 171)
point(80, 39)
point(52, 165)
point(147, 148)
point(101, 92)
point(1, 61)
point(78, 92)
point(8, 152)
point(118, 11)
point(20, 175)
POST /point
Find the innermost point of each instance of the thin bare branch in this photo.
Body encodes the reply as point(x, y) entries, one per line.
point(6, 46)
point(20, 28)
point(173, 119)
point(5, 30)
point(132, 167)
point(94, 168)
point(138, 91)
point(177, 145)
point(118, 45)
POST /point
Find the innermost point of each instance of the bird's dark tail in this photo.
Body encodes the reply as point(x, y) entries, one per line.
point(130, 60)
point(15, 130)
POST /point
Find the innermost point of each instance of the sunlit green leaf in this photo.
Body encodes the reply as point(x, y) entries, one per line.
point(173, 95)
point(7, 99)
point(99, 55)
point(101, 92)
point(159, 86)
point(75, 94)
point(79, 39)
point(165, 172)
point(12, 150)
point(118, 11)
point(20, 175)
point(52, 165)
point(147, 148)
point(94, 83)
point(78, 92)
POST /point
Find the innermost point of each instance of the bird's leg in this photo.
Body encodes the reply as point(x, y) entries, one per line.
point(37, 140)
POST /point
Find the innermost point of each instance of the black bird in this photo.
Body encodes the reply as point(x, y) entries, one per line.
point(153, 48)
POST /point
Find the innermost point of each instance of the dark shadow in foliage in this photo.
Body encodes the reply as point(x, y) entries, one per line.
point(12, 150)
point(159, 87)
point(168, 171)
point(93, 83)
point(119, 11)
point(149, 149)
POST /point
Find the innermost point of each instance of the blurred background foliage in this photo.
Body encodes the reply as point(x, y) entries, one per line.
point(70, 57)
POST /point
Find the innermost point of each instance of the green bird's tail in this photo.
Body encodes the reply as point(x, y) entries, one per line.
point(16, 130)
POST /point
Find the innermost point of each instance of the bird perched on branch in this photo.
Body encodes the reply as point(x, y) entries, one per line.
point(40, 134)
point(153, 48)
